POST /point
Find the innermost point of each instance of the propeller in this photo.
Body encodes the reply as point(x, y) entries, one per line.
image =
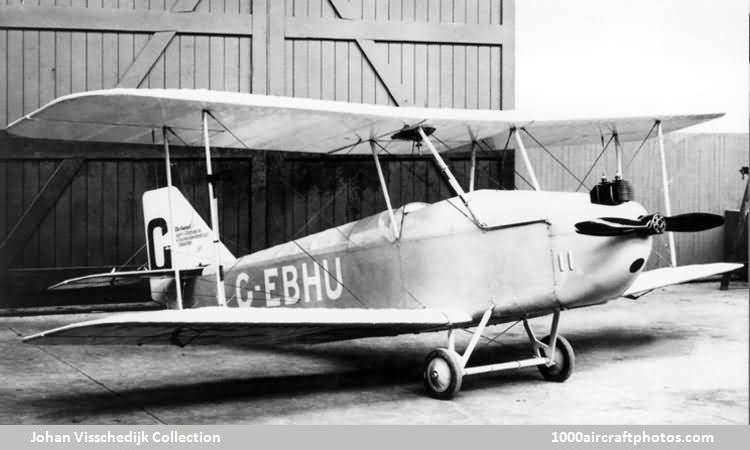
point(649, 225)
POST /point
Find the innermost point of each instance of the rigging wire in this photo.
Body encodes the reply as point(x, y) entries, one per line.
point(653, 127)
point(555, 158)
point(588, 172)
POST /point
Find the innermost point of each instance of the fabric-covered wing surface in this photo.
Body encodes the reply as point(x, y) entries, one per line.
point(252, 326)
point(305, 125)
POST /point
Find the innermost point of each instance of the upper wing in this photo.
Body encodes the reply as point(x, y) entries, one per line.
point(305, 125)
point(652, 279)
point(111, 279)
point(256, 326)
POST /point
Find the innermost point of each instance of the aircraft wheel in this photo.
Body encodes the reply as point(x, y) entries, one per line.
point(442, 373)
point(564, 359)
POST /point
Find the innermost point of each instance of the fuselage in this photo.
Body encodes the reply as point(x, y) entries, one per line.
point(526, 260)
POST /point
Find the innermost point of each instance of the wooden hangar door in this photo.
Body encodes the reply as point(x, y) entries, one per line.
point(74, 209)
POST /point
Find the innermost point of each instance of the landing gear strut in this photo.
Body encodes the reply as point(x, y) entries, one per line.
point(444, 368)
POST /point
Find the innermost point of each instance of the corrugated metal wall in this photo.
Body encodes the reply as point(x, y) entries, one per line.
point(389, 52)
point(704, 176)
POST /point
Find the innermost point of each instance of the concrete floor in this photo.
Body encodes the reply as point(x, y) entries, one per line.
point(677, 356)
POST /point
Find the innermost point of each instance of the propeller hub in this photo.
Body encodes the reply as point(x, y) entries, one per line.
point(657, 224)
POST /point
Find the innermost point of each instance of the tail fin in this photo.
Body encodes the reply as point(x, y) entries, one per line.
point(193, 238)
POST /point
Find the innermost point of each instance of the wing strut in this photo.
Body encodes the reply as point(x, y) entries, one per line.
point(172, 225)
point(665, 189)
point(451, 179)
point(394, 227)
point(472, 173)
point(213, 204)
point(526, 161)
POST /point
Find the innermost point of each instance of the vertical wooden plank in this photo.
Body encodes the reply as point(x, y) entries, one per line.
point(258, 210)
point(393, 182)
point(298, 47)
point(15, 75)
point(30, 256)
point(298, 67)
point(328, 198)
point(358, 66)
point(47, 227)
point(340, 195)
point(370, 85)
point(78, 55)
point(63, 228)
point(277, 50)
point(228, 206)
point(496, 85)
point(4, 227)
point(124, 53)
point(30, 71)
point(93, 61)
point(434, 56)
point(141, 183)
point(63, 63)
point(187, 62)
point(508, 54)
point(275, 200)
point(314, 67)
point(110, 60)
point(259, 51)
point(15, 191)
point(342, 66)
point(202, 62)
point(245, 64)
point(407, 181)
point(172, 64)
point(314, 217)
point(301, 185)
point(372, 196)
point(471, 81)
point(380, 49)
point(126, 202)
point(421, 167)
point(288, 71)
point(484, 84)
point(216, 64)
point(328, 58)
point(109, 200)
point(46, 62)
point(243, 198)
point(95, 254)
point(4, 79)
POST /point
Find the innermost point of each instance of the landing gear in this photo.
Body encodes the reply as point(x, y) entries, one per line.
point(444, 368)
point(564, 361)
point(443, 373)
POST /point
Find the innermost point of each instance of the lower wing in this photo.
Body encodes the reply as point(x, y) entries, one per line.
point(657, 278)
point(252, 326)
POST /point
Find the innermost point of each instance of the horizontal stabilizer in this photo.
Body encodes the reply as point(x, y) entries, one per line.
point(251, 326)
point(118, 279)
point(652, 279)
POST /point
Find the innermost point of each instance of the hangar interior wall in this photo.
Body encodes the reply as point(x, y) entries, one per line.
point(71, 209)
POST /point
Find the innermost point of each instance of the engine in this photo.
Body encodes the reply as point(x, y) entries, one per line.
point(613, 192)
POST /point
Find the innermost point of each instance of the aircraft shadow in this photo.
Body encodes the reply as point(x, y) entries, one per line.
point(362, 368)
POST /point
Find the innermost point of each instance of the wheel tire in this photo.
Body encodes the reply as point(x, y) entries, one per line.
point(564, 358)
point(442, 374)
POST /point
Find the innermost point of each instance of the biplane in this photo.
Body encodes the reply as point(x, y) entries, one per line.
point(477, 259)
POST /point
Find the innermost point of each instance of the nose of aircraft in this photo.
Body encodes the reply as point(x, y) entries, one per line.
point(605, 265)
